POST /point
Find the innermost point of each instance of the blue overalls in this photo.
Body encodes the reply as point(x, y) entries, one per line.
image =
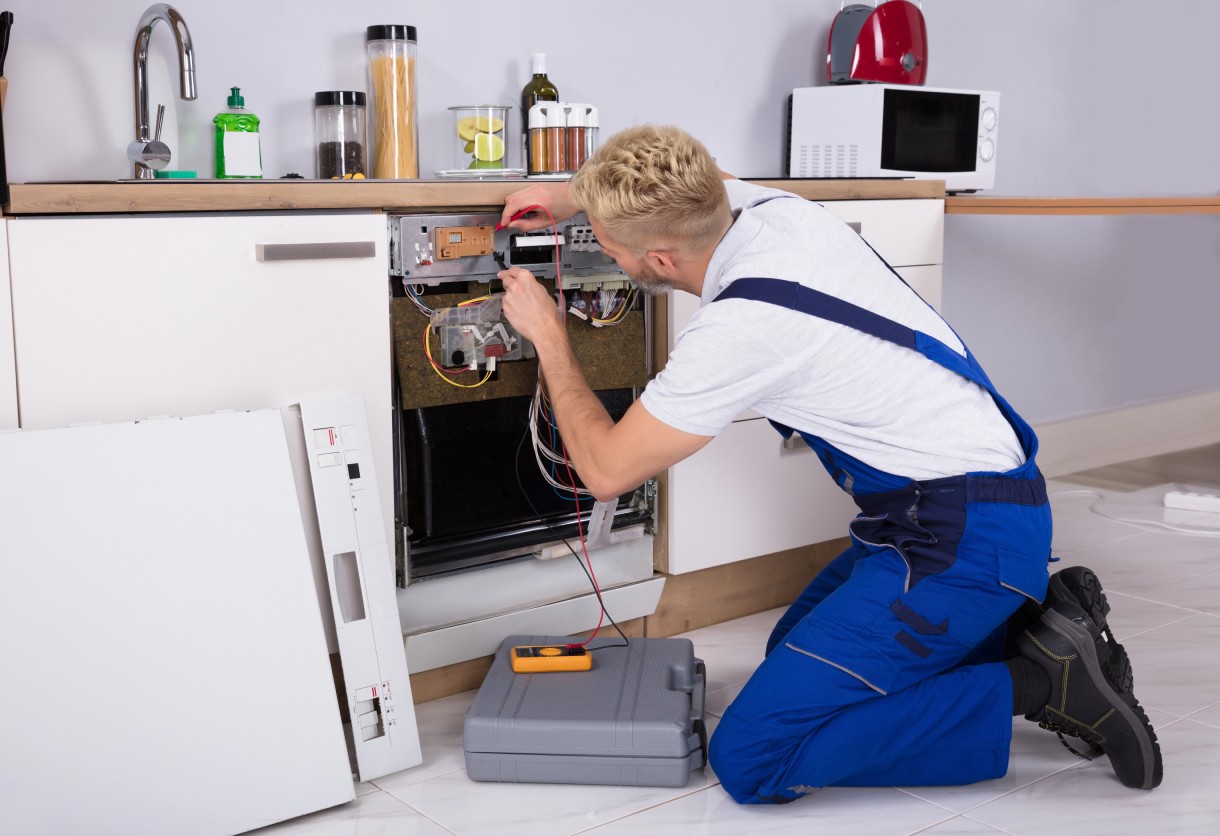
point(887, 670)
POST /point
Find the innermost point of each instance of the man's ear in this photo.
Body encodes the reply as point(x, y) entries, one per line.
point(662, 262)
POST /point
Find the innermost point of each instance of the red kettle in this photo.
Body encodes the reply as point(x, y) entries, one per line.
point(886, 43)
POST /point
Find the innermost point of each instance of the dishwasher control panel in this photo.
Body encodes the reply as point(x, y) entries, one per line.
point(432, 249)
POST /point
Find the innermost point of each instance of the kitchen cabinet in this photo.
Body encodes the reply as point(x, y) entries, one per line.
point(8, 367)
point(906, 233)
point(747, 493)
point(120, 318)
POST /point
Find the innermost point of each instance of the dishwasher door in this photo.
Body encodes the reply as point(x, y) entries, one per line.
point(165, 665)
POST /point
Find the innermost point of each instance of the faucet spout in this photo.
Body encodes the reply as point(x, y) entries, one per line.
point(186, 68)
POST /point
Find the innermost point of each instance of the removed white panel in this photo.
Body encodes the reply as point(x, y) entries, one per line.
point(164, 660)
point(360, 571)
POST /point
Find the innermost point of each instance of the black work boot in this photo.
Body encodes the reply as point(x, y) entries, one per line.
point(1084, 702)
point(1079, 585)
point(1076, 583)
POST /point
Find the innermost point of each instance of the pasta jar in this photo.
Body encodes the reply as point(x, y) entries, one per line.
point(393, 128)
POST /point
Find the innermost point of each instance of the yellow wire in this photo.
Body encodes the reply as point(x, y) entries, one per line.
point(622, 312)
point(439, 373)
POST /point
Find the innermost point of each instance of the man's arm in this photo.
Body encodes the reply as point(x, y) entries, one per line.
point(610, 458)
point(555, 197)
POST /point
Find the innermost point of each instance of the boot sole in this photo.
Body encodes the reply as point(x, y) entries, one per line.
point(1084, 590)
point(1083, 643)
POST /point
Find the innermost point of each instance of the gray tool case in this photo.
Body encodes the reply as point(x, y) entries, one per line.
point(635, 719)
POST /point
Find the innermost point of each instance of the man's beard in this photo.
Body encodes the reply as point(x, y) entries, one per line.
point(650, 282)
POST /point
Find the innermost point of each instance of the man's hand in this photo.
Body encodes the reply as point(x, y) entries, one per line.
point(529, 307)
point(553, 196)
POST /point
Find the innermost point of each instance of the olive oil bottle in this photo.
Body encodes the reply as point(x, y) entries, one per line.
point(238, 153)
point(538, 89)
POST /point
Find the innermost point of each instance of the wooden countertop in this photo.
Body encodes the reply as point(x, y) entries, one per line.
point(976, 205)
point(278, 195)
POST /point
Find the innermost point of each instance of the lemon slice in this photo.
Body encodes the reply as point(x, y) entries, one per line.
point(489, 124)
point(488, 147)
point(468, 127)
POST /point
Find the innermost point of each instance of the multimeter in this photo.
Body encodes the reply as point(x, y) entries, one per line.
point(546, 658)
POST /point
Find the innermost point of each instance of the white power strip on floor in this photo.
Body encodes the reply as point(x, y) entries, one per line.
point(1188, 501)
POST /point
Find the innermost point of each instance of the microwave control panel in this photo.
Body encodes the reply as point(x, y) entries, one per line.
point(432, 249)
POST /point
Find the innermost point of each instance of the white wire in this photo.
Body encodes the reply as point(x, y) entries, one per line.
point(1148, 526)
point(628, 299)
point(413, 295)
point(543, 449)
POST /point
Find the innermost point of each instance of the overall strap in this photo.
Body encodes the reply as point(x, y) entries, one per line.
point(797, 297)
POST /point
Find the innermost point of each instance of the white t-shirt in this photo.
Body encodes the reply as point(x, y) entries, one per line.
point(888, 406)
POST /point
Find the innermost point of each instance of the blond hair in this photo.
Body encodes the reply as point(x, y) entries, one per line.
point(654, 186)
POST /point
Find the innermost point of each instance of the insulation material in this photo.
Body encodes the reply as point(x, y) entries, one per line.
point(612, 358)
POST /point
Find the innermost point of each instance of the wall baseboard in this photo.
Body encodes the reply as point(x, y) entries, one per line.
point(1134, 432)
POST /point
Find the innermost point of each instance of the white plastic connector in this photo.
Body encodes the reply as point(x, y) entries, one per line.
point(1189, 501)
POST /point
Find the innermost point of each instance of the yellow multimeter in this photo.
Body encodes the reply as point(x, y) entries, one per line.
point(550, 657)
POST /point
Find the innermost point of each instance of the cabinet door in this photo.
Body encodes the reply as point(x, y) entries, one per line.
point(924, 280)
point(123, 318)
point(8, 367)
point(748, 494)
point(903, 232)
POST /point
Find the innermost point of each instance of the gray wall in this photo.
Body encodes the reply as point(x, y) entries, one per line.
point(1075, 315)
point(1100, 97)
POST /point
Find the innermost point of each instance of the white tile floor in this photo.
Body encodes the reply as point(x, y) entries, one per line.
point(1164, 591)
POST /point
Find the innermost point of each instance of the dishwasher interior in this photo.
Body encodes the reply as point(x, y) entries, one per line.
point(473, 482)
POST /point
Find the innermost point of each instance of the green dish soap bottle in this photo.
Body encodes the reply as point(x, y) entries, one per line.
point(238, 154)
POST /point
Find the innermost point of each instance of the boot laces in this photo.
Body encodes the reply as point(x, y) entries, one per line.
point(1060, 731)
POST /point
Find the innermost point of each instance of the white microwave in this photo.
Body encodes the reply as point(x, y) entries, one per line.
point(894, 130)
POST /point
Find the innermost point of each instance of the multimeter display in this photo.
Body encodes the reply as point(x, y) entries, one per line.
point(547, 658)
point(549, 652)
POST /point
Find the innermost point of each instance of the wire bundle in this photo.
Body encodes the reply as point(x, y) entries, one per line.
point(548, 450)
point(612, 305)
point(441, 371)
point(414, 294)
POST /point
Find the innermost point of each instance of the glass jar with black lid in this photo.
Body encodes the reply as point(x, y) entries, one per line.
point(339, 129)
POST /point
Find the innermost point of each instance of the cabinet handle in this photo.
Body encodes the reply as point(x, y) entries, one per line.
point(310, 252)
point(795, 442)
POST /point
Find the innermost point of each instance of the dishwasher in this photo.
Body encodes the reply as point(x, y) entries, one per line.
point(485, 515)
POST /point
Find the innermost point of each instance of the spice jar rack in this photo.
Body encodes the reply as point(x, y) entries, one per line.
point(562, 136)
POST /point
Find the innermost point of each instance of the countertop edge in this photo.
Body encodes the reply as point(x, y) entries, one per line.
point(263, 196)
point(1032, 205)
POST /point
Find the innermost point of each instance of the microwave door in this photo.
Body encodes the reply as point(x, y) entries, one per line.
point(926, 132)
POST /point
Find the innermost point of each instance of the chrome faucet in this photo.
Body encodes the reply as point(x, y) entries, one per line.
point(149, 152)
